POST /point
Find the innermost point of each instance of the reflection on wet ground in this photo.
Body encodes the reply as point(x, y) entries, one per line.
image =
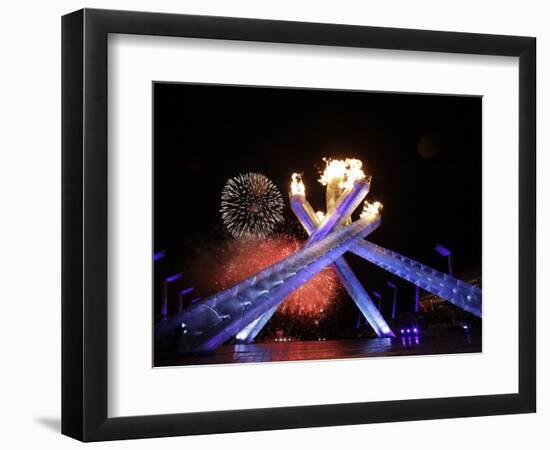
point(341, 349)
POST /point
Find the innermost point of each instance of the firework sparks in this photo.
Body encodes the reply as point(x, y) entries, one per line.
point(251, 206)
point(239, 259)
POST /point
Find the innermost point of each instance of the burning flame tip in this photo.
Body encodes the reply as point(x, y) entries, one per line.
point(345, 171)
point(371, 209)
point(297, 186)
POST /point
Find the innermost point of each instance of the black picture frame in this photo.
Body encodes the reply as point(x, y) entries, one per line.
point(84, 224)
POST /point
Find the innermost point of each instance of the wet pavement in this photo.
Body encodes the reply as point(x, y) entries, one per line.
point(337, 349)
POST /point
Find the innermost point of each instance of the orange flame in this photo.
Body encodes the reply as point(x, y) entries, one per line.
point(297, 186)
point(346, 172)
point(371, 209)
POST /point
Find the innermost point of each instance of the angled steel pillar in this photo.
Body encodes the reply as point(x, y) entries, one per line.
point(249, 333)
point(309, 221)
point(214, 320)
point(455, 291)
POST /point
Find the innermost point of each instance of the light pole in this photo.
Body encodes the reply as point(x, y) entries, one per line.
point(159, 255)
point(167, 281)
point(394, 303)
point(182, 293)
point(416, 299)
point(379, 297)
point(358, 323)
point(444, 251)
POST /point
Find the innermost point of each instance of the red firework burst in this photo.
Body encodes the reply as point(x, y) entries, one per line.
point(242, 259)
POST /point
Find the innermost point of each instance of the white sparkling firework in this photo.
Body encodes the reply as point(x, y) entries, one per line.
point(251, 206)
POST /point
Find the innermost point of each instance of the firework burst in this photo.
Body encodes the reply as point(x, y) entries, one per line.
point(241, 259)
point(251, 206)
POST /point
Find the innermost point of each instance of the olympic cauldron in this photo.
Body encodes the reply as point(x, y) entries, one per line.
point(241, 311)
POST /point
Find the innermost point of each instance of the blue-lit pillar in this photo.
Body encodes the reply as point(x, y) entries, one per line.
point(165, 287)
point(379, 297)
point(394, 300)
point(182, 293)
point(445, 252)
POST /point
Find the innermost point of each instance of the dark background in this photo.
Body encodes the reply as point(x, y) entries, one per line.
point(423, 152)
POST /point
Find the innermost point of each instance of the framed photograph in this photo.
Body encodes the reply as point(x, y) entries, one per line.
point(273, 224)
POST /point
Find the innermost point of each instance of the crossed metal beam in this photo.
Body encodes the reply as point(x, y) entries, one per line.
point(212, 321)
point(313, 226)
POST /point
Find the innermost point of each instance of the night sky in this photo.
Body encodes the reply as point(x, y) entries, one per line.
point(423, 152)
